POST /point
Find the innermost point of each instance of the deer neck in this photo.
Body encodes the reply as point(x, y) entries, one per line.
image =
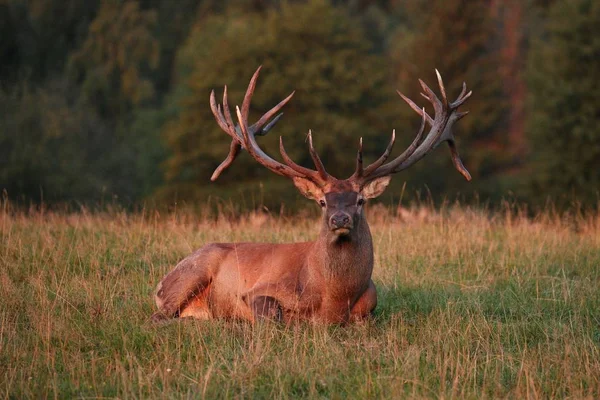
point(349, 257)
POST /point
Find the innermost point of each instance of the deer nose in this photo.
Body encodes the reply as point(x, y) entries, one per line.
point(340, 220)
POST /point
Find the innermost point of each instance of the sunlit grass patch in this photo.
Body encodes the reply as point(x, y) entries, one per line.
point(471, 304)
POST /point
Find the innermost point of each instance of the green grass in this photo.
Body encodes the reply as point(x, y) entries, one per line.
point(470, 306)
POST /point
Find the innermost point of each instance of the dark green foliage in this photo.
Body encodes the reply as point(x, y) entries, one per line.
point(51, 144)
point(112, 63)
point(313, 48)
point(36, 36)
point(54, 147)
point(79, 136)
point(564, 106)
point(118, 90)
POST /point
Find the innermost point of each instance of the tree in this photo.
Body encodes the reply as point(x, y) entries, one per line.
point(36, 37)
point(52, 146)
point(113, 69)
point(564, 104)
point(342, 91)
point(113, 63)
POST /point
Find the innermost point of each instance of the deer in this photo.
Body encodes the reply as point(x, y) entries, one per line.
point(327, 280)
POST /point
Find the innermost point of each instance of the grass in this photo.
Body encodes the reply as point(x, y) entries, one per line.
point(471, 305)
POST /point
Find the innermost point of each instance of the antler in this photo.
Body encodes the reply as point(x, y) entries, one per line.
point(446, 114)
point(244, 136)
point(223, 117)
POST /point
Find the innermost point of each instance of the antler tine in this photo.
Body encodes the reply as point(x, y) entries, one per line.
point(461, 99)
point(245, 133)
point(460, 115)
point(386, 154)
point(406, 153)
point(216, 110)
point(433, 99)
point(234, 150)
point(415, 143)
point(227, 113)
point(267, 116)
point(257, 127)
point(299, 169)
point(288, 160)
point(457, 161)
point(315, 157)
point(416, 107)
point(462, 92)
point(409, 151)
point(359, 160)
point(249, 93)
point(268, 127)
point(442, 88)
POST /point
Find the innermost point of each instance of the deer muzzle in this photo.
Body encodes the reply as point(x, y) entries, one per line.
point(340, 223)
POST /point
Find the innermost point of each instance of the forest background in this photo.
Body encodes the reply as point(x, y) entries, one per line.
point(106, 101)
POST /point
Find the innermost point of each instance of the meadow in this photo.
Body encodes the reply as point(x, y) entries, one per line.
point(472, 304)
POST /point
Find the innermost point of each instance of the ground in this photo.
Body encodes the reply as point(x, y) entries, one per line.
point(471, 304)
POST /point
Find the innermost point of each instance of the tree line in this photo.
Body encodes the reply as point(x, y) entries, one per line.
point(108, 99)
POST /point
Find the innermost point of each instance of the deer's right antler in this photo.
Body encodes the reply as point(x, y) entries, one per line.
point(244, 136)
point(260, 128)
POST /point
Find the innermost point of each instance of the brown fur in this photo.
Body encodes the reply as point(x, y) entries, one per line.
point(328, 280)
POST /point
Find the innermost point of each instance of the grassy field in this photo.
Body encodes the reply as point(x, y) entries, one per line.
point(471, 305)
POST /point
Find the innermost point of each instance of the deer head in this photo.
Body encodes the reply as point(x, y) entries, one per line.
point(341, 199)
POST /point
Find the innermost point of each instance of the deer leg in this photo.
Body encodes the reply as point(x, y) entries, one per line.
point(365, 305)
point(197, 307)
point(186, 284)
point(266, 307)
point(269, 300)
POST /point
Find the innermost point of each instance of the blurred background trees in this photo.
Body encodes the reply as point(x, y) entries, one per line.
point(108, 99)
point(314, 48)
point(563, 74)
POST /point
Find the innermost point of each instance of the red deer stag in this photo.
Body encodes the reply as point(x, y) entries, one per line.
point(327, 280)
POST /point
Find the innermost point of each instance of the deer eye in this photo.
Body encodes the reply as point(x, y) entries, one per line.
point(360, 202)
point(322, 203)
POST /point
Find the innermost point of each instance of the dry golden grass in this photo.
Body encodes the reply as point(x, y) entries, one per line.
point(470, 305)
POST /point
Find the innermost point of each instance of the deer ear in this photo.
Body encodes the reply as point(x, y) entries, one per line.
point(308, 188)
point(375, 187)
